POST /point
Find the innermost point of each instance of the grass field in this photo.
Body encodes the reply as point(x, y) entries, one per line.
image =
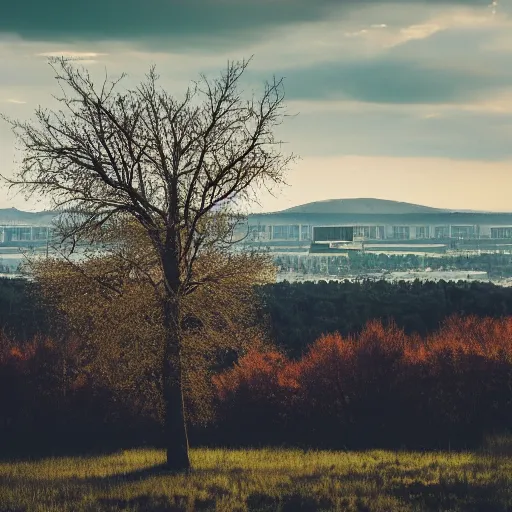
point(285, 480)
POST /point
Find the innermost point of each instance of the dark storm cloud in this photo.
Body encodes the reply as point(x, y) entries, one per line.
point(133, 19)
point(184, 21)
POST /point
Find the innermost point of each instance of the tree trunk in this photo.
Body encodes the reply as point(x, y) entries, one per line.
point(175, 427)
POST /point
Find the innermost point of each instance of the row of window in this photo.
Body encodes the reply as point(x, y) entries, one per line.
point(282, 232)
point(17, 234)
point(291, 232)
point(501, 232)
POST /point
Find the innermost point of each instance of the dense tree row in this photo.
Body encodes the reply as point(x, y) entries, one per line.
point(454, 392)
point(495, 264)
point(22, 314)
point(299, 313)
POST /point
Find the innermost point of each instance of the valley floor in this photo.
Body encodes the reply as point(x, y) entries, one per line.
point(286, 480)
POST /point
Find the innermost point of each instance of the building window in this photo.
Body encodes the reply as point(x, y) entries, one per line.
point(305, 233)
point(280, 232)
point(463, 231)
point(369, 232)
point(293, 232)
point(333, 233)
point(423, 232)
point(285, 232)
point(442, 232)
point(501, 232)
point(401, 232)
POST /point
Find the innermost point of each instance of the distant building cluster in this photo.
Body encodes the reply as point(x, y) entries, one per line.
point(375, 224)
point(330, 226)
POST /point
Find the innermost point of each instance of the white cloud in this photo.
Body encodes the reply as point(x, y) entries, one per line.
point(71, 54)
point(17, 102)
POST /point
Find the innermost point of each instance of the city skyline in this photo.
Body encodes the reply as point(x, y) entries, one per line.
point(407, 101)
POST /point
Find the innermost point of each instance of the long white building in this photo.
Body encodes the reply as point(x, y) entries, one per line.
point(377, 222)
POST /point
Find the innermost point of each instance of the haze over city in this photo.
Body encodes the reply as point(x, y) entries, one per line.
point(409, 101)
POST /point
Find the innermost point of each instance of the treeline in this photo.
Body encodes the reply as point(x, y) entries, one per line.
point(497, 265)
point(299, 313)
point(22, 315)
point(379, 389)
point(411, 378)
point(49, 403)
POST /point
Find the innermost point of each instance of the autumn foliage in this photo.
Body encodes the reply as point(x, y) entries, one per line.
point(379, 389)
point(49, 401)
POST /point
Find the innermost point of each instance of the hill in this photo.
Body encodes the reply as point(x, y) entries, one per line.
point(15, 216)
point(362, 206)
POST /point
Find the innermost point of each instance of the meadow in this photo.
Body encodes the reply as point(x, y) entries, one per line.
point(264, 479)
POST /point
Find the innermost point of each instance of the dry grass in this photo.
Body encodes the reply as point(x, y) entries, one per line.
point(286, 480)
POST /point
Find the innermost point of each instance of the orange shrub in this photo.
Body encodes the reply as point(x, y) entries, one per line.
point(256, 372)
point(383, 384)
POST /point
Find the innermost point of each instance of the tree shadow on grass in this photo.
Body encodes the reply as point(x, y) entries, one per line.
point(14, 454)
point(289, 502)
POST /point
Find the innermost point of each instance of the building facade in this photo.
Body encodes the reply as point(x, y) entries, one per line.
point(22, 234)
point(463, 228)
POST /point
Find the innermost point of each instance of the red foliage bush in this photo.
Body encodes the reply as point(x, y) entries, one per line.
point(256, 372)
point(384, 385)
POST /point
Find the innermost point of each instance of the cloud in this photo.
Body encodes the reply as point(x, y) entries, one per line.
point(187, 23)
point(388, 80)
point(412, 79)
point(17, 102)
point(442, 131)
point(84, 58)
point(193, 20)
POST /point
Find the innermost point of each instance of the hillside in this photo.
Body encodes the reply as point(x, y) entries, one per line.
point(14, 216)
point(362, 206)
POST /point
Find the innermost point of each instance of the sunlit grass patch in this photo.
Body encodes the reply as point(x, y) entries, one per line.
point(267, 479)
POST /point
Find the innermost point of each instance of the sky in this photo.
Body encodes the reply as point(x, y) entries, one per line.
point(404, 100)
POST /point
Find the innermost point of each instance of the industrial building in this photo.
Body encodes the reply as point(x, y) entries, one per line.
point(377, 225)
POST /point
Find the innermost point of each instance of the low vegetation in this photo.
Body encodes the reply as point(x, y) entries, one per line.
point(266, 480)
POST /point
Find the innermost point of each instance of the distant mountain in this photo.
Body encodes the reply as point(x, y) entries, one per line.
point(14, 216)
point(363, 206)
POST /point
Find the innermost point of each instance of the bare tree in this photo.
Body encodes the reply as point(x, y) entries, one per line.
point(177, 167)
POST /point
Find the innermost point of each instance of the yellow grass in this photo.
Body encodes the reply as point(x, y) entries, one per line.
point(286, 480)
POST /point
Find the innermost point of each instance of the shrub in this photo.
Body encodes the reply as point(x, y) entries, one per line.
point(379, 389)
